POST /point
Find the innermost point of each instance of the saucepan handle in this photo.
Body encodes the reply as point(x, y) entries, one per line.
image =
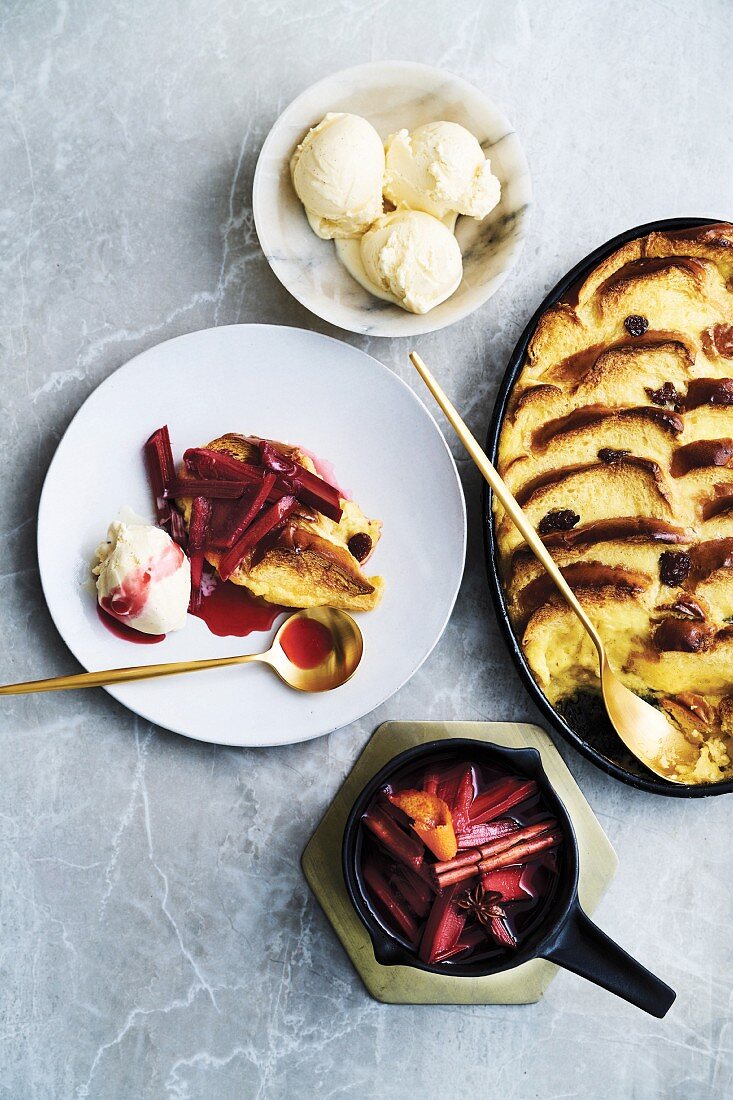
point(581, 947)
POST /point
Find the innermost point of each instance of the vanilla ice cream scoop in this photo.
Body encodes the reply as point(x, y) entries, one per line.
point(440, 168)
point(143, 578)
point(412, 257)
point(337, 171)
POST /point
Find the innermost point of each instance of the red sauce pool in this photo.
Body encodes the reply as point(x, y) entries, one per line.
point(306, 643)
point(230, 611)
point(121, 630)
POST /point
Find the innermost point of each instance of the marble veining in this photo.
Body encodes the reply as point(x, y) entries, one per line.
point(158, 941)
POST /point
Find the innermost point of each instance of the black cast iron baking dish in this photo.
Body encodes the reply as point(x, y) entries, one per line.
point(563, 933)
point(604, 749)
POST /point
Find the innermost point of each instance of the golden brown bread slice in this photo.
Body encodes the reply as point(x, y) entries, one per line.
point(309, 563)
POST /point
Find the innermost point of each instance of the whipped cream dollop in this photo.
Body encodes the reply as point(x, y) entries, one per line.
point(143, 578)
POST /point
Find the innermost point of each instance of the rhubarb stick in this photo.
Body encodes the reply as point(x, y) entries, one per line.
point(390, 901)
point(443, 927)
point(295, 479)
point(252, 510)
point(197, 530)
point(501, 932)
point(220, 489)
point(213, 464)
point(404, 847)
point(500, 798)
point(266, 522)
point(161, 470)
point(412, 888)
point(507, 882)
point(475, 836)
point(469, 938)
point(457, 788)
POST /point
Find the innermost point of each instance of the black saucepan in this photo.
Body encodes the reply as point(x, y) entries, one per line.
point(588, 729)
point(562, 933)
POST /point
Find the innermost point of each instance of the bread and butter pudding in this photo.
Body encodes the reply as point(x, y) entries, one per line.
point(618, 444)
point(290, 537)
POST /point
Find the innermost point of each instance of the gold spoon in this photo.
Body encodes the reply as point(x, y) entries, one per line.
point(643, 729)
point(340, 664)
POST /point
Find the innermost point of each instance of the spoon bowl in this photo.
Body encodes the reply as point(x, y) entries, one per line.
point(331, 667)
point(336, 666)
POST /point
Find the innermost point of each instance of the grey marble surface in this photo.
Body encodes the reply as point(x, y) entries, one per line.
point(157, 939)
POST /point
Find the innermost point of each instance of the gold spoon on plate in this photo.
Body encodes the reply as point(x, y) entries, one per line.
point(643, 729)
point(333, 670)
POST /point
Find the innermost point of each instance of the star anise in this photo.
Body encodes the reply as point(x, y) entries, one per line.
point(481, 904)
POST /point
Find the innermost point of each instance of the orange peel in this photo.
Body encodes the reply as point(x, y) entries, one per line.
point(431, 820)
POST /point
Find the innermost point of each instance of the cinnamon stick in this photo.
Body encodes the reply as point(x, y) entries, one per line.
point(473, 855)
point(518, 853)
point(521, 852)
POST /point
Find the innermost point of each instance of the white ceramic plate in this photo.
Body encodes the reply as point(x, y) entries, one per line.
point(286, 384)
point(392, 95)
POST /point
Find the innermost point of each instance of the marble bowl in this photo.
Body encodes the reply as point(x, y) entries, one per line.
point(392, 95)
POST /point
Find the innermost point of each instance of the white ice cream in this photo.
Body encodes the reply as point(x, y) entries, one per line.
point(440, 168)
point(337, 171)
point(143, 578)
point(413, 258)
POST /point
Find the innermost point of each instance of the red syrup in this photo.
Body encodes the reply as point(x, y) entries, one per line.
point(230, 611)
point(121, 630)
point(306, 643)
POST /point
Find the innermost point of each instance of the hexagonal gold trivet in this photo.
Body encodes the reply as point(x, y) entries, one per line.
point(321, 863)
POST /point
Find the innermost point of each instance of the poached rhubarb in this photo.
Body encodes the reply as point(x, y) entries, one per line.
point(202, 487)
point(480, 899)
point(403, 847)
point(273, 517)
point(390, 901)
point(457, 789)
point(236, 521)
point(294, 479)
point(500, 798)
point(161, 473)
point(443, 927)
point(198, 527)
point(201, 462)
point(475, 836)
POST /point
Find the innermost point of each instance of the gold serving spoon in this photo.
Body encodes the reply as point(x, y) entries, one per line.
point(333, 671)
point(643, 729)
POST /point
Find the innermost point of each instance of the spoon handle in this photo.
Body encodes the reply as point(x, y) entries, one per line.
point(123, 675)
point(510, 505)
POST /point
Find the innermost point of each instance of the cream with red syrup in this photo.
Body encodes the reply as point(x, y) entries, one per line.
point(225, 515)
point(143, 578)
point(459, 859)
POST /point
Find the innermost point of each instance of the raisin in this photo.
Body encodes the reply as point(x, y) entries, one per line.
point(674, 568)
point(611, 456)
point(666, 396)
point(360, 545)
point(636, 325)
point(562, 519)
